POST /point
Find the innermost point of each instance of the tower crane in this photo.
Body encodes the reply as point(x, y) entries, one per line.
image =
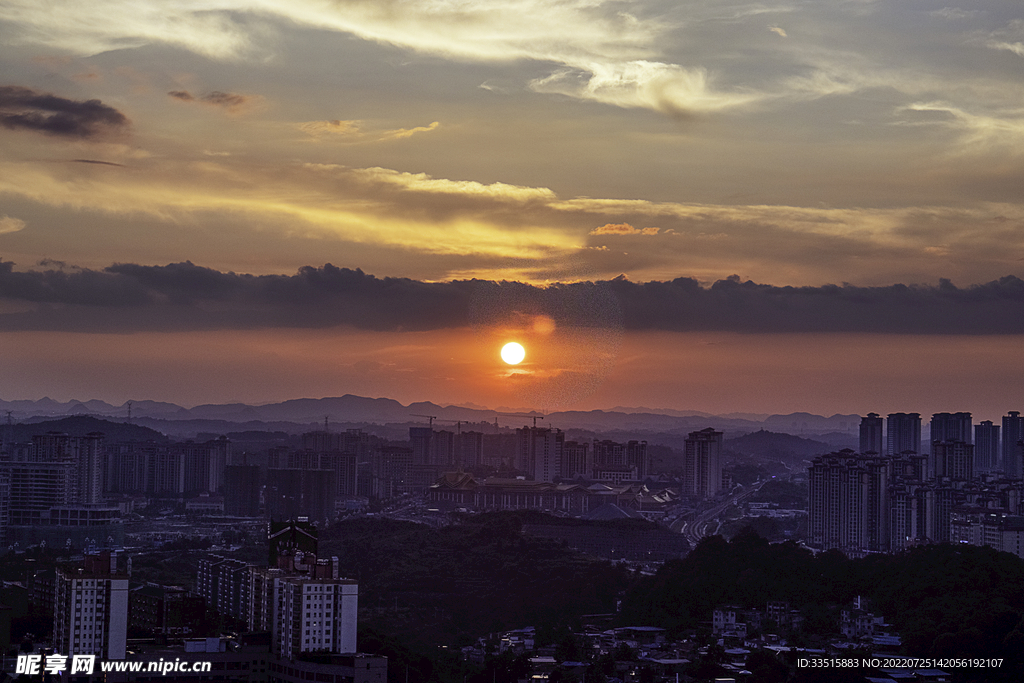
point(533, 415)
point(429, 417)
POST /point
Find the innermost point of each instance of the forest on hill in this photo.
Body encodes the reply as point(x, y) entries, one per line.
point(423, 590)
point(944, 600)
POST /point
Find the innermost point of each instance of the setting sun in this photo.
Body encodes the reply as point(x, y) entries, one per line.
point(513, 353)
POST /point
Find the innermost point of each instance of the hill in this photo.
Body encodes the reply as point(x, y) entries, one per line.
point(429, 587)
point(765, 445)
point(80, 425)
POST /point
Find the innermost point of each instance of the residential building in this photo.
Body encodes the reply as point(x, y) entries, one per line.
point(702, 463)
point(166, 610)
point(1013, 433)
point(848, 502)
point(986, 446)
point(953, 460)
point(871, 434)
point(951, 427)
point(91, 608)
point(903, 433)
point(242, 484)
point(539, 452)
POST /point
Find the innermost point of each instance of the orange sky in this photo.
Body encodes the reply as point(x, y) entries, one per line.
point(806, 144)
point(711, 372)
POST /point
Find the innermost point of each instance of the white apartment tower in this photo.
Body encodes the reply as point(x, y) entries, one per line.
point(539, 452)
point(91, 609)
point(305, 605)
point(314, 615)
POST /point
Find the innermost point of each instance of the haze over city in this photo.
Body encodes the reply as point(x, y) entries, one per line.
point(725, 206)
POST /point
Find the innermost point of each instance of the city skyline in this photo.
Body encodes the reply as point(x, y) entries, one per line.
point(802, 207)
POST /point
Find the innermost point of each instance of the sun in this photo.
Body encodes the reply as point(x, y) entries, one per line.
point(513, 353)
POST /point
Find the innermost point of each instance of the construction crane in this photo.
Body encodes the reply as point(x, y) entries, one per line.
point(458, 424)
point(429, 417)
point(534, 416)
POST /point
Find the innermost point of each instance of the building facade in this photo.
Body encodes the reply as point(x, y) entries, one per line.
point(91, 608)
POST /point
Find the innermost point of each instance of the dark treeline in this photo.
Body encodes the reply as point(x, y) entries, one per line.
point(425, 592)
point(944, 600)
point(432, 587)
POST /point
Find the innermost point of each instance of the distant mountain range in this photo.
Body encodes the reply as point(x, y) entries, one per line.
point(304, 413)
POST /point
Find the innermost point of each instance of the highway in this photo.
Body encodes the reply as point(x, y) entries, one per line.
point(706, 522)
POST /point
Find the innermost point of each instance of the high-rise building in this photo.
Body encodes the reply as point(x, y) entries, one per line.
point(702, 463)
point(293, 492)
point(222, 582)
point(168, 610)
point(1013, 432)
point(242, 490)
point(128, 467)
point(871, 434)
point(500, 451)
point(951, 427)
point(903, 433)
point(575, 460)
point(389, 473)
point(986, 446)
point(907, 513)
point(620, 461)
point(91, 608)
point(953, 460)
point(469, 449)
point(301, 599)
point(313, 615)
point(848, 502)
point(637, 458)
point(608, 452)
point(187, 468)
point(85, 454)
point(433, 452)
point(37, 487)
point(539, 452)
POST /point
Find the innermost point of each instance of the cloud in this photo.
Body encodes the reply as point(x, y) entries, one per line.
point(184, 296)
point(780, 31)
point(1009, 37)
point(1015, 47)
point(231, 102)
point(10, 224)
point(25, 109)
point(666, 88)
point(335, 127)
point(600, 49)
point(353, 131)
point(1002, 131)
point(622, 229)
point(954, 13)
point(96, 161)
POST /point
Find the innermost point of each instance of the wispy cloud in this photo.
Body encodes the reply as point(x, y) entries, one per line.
point(981, 132)
point(355, 131)
point(602, 52)
point(11, 224)
point(233, 103)
point(623, 229)
point(464, 228)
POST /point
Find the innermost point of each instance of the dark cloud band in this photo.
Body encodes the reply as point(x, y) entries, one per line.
point(25, 109)
point(183, 296)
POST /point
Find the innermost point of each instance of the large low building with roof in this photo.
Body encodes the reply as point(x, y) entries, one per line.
point(571, 498)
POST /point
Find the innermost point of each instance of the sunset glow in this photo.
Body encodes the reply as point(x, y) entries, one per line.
point(588, 178)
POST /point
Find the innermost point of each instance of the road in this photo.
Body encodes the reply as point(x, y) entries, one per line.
point(706, 522)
